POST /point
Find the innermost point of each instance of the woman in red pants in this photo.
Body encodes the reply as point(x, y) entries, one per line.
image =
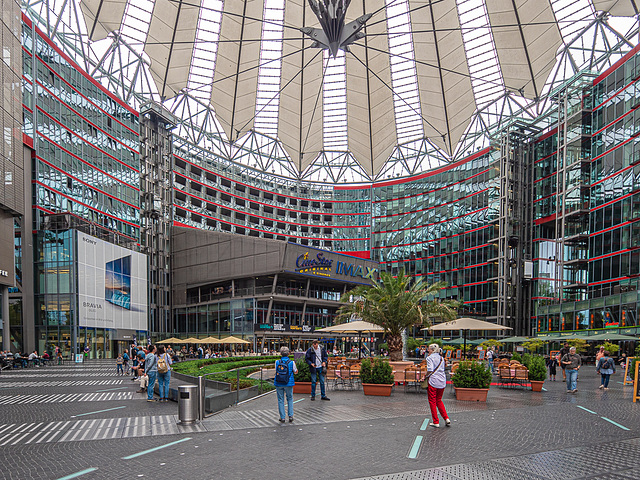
point(437, 384)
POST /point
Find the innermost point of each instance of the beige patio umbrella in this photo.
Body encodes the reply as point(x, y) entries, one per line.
point(210, 340)
point(358, 327)
point(170, 340)
point(191, 340)
point(234, 340)
point(465, 324)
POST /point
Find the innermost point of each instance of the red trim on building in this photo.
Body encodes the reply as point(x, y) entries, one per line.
point(27, 140)
point(609, 281)
point(49, 187)
point(409, 212)
point(611, 254)
point(431, 191)
point(263, 190)
point(615, 66)
point(89, 164)
point(275, 234)
point(44, 37)
point(611, 202)
point(546, 135)
point(86, 184)
point(431, 224)
point(184, 225)
point(546, 219)
point(245, 212)
point(430, 173)
point(365, 255)
point(59, 100)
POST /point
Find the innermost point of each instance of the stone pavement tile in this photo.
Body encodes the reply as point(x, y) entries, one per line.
point(430, 474)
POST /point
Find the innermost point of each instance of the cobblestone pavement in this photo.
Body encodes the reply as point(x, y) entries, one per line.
point(47, 431)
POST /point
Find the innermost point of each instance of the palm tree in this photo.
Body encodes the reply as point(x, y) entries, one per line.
point(396, 303)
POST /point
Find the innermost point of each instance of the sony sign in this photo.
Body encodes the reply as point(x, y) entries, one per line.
point(112, 285)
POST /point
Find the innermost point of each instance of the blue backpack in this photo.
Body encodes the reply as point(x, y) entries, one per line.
point(283, 372)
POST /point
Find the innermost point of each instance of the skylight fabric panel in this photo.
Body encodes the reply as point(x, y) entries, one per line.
point(371, 122)
point(446, 94)
point(527, 38)
point(300, 110)
point(618, 8)
point(102, 17)
point(170, 43)
point(235, 81)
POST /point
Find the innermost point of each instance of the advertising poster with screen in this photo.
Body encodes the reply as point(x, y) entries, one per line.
point(112, 285)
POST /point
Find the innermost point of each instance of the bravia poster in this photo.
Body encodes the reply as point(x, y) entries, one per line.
point(112, 285)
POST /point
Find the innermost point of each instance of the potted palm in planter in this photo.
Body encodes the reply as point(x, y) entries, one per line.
point(537, 372)
point(471, 381)
point(376, 378)
point(302, 378)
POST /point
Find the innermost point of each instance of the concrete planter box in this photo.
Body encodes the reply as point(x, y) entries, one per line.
point(302, 387)
point(536, 385)
point(380, 390)
point(471, 394)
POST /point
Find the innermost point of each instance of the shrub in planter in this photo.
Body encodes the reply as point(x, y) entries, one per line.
point(302, 378)
point(537, 369)
point(472, 374)
point(516, 356)
point(304, 372)
point(376, 378)
point(379, 372)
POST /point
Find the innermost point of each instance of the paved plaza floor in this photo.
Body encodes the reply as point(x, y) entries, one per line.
point(85, 422)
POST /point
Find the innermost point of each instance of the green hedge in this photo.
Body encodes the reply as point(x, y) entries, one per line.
point(222, 366)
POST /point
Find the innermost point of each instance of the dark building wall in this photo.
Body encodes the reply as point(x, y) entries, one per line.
point(201, 257)
point(11, 168)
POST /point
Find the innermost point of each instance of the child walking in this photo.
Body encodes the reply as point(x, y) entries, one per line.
point(552, 363)
point(119, 365)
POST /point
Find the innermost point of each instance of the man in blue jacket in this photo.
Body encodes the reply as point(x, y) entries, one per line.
point(317, 358)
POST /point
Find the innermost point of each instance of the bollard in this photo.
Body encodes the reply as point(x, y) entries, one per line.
point(201, 396)
point(237, 386)
point(187, 403)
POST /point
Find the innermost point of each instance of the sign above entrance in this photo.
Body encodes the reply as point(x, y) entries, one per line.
point(282, 327)
point(344, 267)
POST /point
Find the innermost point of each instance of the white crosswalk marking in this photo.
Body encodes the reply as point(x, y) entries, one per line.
point(65, 398)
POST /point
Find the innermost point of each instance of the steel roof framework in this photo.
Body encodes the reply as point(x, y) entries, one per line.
point(126, 61)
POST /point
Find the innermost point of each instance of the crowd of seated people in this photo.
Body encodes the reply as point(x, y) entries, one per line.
point(10, 359)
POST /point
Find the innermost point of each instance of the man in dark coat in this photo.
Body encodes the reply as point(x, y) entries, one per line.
point(317, 358)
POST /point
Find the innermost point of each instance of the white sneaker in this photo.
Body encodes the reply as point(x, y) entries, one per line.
point(601, 387)
point(436, 425)
point(447, 422)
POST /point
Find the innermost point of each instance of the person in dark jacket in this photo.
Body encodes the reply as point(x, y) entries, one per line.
point(317, 358)
point(285, 389)
point(605, 367)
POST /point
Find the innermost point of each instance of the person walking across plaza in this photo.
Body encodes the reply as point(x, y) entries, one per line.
point(552, 363)
point(563, 351)
point(120, 365)
point(599, 355)
point(605, 367)
point(571, 362)
point(437, 384)
point(164, 373)
point(151, 369)
point(491, 355)
point(285, 368)
point(317, 358)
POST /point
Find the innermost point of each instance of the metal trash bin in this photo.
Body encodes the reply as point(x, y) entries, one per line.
point(187, 403)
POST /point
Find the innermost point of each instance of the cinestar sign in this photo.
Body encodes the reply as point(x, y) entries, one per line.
point(319, 265)
point(343, 268)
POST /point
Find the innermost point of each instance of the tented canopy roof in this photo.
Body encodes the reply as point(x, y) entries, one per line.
point(344, 76)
